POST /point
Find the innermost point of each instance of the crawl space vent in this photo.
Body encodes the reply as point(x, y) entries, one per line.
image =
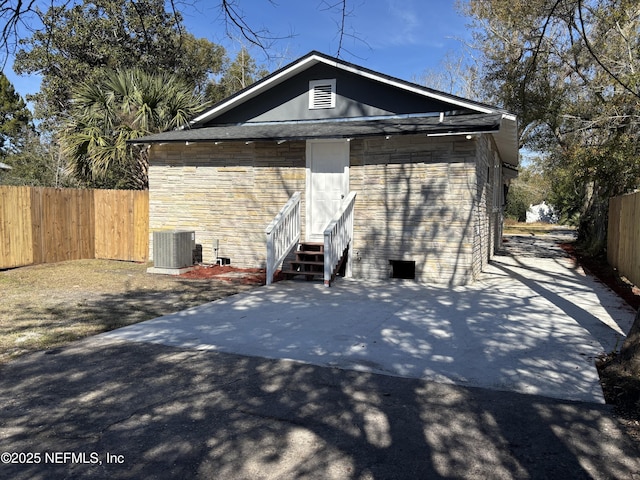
point(403, 269)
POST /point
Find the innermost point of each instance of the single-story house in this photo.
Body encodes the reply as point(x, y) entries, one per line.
point(343, 168)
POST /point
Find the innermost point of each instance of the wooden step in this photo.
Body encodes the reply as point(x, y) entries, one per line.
point(309, 261)
point(311, 246)
point(307, 253)
point(308, 274)
point(303, 271)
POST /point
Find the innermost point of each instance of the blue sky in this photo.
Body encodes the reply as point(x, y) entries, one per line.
point(402, 38)
point(396, 37)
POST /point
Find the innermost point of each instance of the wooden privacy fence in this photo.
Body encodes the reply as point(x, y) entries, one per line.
point(623, 236)
point(122, 224)
point(44, 225)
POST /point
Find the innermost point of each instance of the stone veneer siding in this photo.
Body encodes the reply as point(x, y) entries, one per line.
point(483, 239)
point(228, 192)
point(419, 199)
point(416, 198)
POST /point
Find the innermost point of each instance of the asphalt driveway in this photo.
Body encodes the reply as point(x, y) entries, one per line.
point(534, 324)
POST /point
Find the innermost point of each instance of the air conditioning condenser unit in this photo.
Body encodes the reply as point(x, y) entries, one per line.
point(173, 249)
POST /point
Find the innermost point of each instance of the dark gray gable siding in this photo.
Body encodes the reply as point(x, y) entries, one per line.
point(357, 96)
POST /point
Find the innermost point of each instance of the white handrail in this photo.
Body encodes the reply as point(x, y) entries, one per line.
point(282, 234)
point(337, 237)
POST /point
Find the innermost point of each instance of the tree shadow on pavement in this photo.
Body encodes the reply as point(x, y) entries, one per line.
point(579, 295)
point(176, 413)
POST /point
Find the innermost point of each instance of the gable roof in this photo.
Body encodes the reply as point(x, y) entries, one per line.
point(404, 108)
point(314, 58)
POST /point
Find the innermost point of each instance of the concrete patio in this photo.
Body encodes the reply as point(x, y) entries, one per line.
point(533, 324)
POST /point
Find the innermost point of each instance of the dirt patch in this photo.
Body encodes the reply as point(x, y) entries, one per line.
point(46, 306)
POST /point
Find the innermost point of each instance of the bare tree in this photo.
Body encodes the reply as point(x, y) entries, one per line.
point(455, 74)
point(14, 14)
point(235, 20)
point(19, 16)
point(569, 69)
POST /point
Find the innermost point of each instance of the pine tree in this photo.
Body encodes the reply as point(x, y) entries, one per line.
point(15, 118)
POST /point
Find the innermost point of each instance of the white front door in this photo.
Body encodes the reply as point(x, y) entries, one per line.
point(327, 183)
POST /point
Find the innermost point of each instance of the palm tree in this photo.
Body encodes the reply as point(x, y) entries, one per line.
point(126, 105)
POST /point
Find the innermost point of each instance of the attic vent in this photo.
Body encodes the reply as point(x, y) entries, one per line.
point(322, 94)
